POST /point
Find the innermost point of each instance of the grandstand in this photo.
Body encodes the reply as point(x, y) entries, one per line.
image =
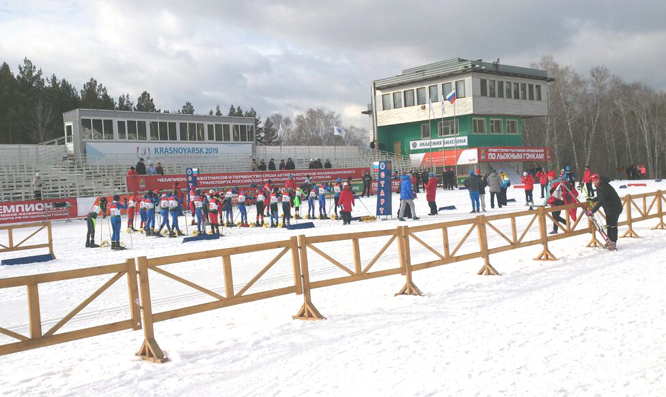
point(67, 176)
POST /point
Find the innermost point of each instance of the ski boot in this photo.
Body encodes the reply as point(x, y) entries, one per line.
point(179, 233)
point(93, 245)
point(298, 216)
point(172, 234)
point(120, 247)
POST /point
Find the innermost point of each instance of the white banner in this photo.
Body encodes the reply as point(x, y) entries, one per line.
point(103, 152)
point(438, 143)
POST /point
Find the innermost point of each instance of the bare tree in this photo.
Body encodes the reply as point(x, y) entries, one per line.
point(42, 120)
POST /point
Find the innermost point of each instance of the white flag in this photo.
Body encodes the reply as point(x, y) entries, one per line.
point(443, 112)
point(338, 131)
point(430, 109)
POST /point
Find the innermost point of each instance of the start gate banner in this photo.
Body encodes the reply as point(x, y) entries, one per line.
point(151, 182)
point(35, 211)
point(384, 183)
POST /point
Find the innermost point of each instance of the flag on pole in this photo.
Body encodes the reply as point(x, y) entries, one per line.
point(451, 97)
point(338, 131)
point(430, 109)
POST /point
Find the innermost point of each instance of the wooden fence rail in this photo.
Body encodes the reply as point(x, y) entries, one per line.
point(510, 231)
point(13, 246)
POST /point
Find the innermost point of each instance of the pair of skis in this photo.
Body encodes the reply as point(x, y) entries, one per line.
point(597, 225)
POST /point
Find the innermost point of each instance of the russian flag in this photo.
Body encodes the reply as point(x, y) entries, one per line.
point(451, 97)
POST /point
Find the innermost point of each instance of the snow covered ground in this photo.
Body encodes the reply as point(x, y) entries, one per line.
point(591, 323)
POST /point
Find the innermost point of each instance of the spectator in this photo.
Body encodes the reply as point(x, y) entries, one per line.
point(346, 202)
point(254, 166)
point(495, 188)
point(587, 181)
point(271, 165)
point(311, 164)
point(318, 164)
point(542, 175)
point(159, 170)
point(473, 183)
point(482, 189)
point(132, 172)
point(151, 169)
point(262, 165)
point(416, 178)
point(367, 181)
point(505, 186)
point(643, 172)
point(431, 192)
point(141, 167)
point(406, 198)
point(528, 181)
point(282, 165)
point(290, 164)
point(327, 164)
point(37, 185)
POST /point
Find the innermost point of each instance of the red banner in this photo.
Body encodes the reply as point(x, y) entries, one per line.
point(395, 184)
point(509, 154)
point(34, 211)
point(204, 181)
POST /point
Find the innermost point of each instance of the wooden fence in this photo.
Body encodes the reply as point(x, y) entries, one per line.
point(510, 231)
point(12, 246)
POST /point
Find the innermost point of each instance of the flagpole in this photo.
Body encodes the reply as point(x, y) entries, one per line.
point(443, 145)
point(455, 141)
point(430, 131)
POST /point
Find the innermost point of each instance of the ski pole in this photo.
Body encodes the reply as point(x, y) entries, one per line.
point(187, 231)
point(366, 208)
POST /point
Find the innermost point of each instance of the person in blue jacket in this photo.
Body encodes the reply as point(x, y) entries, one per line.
point(322, 200)
point(114, 213)
point(164, 210)
point(337, 189)
point(151, 203)
point(407, 197)
point(312, 194)
point(174, 209)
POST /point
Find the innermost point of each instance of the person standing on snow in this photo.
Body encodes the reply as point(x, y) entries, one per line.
point(482, 189)
point(164, 211)
point(322, 200)
point(528, 181)
point(337, 189)
point(607, 199)
point(473, 183)
point(543, 181)
point(407, 197)
point(587, 180)
point(495, 188)
point(199, 203)
point(560, 193)
point(260, 203)
point(504, 178)
point(346, 204)
point(213, 210)
point(431, 193)
point(114, 213)
point(131, 207)
point(91, 221)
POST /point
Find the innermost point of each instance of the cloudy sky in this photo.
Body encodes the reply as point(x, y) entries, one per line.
point(291, 55)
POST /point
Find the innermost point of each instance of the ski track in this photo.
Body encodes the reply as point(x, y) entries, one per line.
point(591, 323)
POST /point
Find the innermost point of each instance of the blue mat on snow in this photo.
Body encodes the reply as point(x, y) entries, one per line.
point(623, 187)
point(657, 180)
point(448, 207)
point(511, 200)
point(201, 238)
point(27, 259)
point(305, 225)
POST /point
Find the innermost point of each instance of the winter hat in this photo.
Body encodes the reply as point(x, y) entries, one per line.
point(525, 173)
point(471, 172)
point(478, 171)
point(116, 197)
point(551, 174)
point(595, 176)
point(501, 171)
point(339, 180)
point(567, 168)
point(431, 175)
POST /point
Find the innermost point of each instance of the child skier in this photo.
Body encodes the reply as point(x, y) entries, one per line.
point(274, 207)
point(114, 212)
point(346, 203)
point(560, 193)
point(198, 202)
point(213, 208)
point(268, 189)
point(312, 194)
point(322, 201)
point(298, 194)
point(286, 208)
point(337, 188)
point(242, 209)
point(228, 207)
point(149, 226)
point(131, 206)
point(261, 201)
point(91, 221)
point(142, 211)
point(174, 210)
point(164, 211)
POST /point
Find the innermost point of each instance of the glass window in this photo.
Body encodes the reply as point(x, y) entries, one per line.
point(496, 126)
point(500, 89)
point(250, 133)
point(132, 131)
point(97, 128)
point(183, 131)
point(164, 131)
point(538, 92)
point(446, 89)
point(173, 136)
point(433, 93)
point(479, 126)
point(421, 96)
point(409, 98)
point(523, 91)
point(516, 91)
point(243, 133)
point(448, 127)
point(491, 88)
point(211, 132)
point(191, 131)
point(141, 129)
point(108, 129)
point(512, 126)
point(397, 100)
point(425, 130)
point(122, 131)
point(86, 127)
point(226, 132)
point(508, 89)
point(484, 87)
point(68, 134)
point(201, 136)
point(236, 129)
point(154, 132)
point(460, 89)
point(386, 102)
point(530, 90)
point(218, 132)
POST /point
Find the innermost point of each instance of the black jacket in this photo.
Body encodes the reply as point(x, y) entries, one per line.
point(140, 168)
point(367, 179)
point(607, 197)
point(473, 183)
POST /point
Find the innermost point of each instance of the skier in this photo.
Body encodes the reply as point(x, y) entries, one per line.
point(174, 210)
point(274, 207)
point(242, 209)
point(346, 204)
point(164, 211)
point(286, 208)
point(268, 189)
point(312, 194)
point(213, 207)
point(587, 180)
point(131, 207)
point(142, 211)
point(228, 207)
point(431, 193)
point(473, 183)
point(608, 199)
point(407, 197)
point(298, 195)
point(337, 188)
point(560, 193)
point(495, 188)
point(322, 200)
point(261, 202)
point(192, 194)
point(91, 221)
point(114, 212)
point(528, 181)
point(150, 202)
point(199, 203)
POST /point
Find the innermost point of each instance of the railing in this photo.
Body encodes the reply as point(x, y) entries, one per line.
point(396, 256)
point(13, 246)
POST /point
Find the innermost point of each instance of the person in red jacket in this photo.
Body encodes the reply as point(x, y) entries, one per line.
point(528, 181)
point(346, 202)
point(587, 180)
point(543, 181)
point(431, 192)
point(132, 172)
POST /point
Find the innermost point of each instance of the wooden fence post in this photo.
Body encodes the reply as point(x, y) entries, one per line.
point(34, 312)
point(48, 228)
point(487, 269)
point(661, 225)
point(296, 263)
point(545, 255)
point(308, 311)
point(594, 243)
point(228, 277)
point(357, 256)
point(150, 350)
point(630, 232)
point(406, 263)
point(133, 288)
